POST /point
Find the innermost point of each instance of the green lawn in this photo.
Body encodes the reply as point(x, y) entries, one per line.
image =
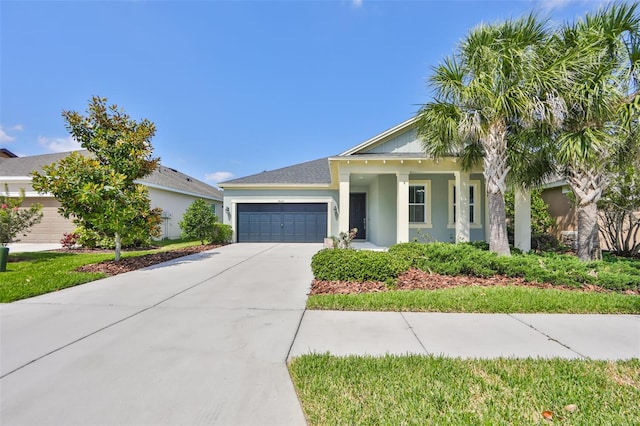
point(32, 274)
point(423, 390)
point(482, 299)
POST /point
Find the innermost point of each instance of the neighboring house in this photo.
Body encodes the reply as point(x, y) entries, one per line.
point(169, 189)
point(386, 187)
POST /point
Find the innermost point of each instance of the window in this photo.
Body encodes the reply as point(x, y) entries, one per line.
point(473, 201)
point(419, 203)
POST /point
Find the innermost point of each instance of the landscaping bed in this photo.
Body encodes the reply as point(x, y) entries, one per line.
point(128, 264)
point(415, 279)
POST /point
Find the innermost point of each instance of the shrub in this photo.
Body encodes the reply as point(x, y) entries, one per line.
point(558, 269)
point(69, 240)
point(357, 265)
point(198, 221)
point(222, 234)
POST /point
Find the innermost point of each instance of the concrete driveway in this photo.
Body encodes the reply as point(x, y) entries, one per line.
point(199, 340)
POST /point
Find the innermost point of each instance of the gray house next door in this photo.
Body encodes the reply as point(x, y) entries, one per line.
point(282, 222)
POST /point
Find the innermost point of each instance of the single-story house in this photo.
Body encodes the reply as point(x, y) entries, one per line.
point(386, 187)
point(169, 189)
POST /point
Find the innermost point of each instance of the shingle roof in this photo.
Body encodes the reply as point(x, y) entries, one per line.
point(163, 176)
point(311, 172)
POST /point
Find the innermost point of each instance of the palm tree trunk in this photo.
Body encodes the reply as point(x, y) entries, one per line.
point(588, 232)
point(495, 173)
point(118, 246)
point(587, 185)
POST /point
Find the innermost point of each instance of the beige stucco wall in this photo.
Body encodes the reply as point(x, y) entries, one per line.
point(561, 210)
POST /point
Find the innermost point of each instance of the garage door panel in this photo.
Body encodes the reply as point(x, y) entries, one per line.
point(282, 222)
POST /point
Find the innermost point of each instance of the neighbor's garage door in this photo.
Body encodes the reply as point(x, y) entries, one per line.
point(282, 222)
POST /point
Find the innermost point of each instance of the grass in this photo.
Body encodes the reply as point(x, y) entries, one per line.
point(435, 390)
point(482, 299)
point(32, 274)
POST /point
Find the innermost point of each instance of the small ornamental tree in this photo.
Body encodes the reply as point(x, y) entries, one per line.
point(15, 220)
point(198, 221)
point(99, 189)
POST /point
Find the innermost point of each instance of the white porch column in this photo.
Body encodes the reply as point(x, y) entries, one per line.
point(462, 207)
point(402, 208)
point(522, 216)
point(343, 221)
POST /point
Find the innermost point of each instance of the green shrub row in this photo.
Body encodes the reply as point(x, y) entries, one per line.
point(474, 260)
point(357, 265)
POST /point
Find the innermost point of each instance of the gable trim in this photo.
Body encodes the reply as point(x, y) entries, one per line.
point(384, 135)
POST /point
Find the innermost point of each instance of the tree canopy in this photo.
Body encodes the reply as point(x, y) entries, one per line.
point(98, 190)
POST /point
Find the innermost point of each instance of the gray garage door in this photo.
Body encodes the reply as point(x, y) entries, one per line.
point(282, 222)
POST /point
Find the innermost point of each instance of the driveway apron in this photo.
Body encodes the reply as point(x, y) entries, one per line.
point(199, 340)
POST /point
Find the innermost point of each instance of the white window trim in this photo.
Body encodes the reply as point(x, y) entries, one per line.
point(427, 199)
point(475, 184)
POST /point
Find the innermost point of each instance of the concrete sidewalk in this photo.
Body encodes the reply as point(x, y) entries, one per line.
point(604, 337)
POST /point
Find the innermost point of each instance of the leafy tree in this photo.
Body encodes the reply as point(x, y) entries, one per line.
point(602, 105)
point(198, 221)
point(501, 77)
point(99, 190)
point(15, 220)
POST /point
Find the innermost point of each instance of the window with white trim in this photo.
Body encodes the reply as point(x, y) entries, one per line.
point(474, 204)
point(420, 203)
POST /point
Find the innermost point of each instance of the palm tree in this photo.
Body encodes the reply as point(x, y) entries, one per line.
point(501, 77)
point(602, 107)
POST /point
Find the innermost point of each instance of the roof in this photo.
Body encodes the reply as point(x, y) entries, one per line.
point(163, 177)
point(5, 153)
point(311, 172)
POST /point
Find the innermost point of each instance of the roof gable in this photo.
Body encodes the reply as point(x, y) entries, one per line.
point(402, 138)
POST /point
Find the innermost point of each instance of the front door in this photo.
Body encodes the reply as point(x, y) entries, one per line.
point(358, 214)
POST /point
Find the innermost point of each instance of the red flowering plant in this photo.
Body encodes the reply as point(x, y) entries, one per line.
point(15, 220)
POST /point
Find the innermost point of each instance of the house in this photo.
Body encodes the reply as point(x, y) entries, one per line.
point(386, 187)
point(169, 189)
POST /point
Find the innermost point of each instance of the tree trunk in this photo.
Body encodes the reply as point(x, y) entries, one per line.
point(588, 183)
point(495, 173)
point(118, 247)
point(498, 239)
point(588, 232)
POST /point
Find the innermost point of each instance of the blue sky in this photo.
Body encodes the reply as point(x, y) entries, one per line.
point(234, 87)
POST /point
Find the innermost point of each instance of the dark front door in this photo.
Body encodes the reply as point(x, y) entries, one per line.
point(358, 214)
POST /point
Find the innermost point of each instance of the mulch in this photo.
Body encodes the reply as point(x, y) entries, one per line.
point(129, 264)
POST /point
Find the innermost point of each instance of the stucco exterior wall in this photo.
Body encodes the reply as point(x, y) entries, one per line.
point(560, 210)
point(173, 206)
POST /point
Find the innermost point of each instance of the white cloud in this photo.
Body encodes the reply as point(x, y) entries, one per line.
point(5, 137)
point(356, 3)
point(59, 144)
point(218, 176)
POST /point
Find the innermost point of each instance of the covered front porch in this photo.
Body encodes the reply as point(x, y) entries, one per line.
point(401, 200)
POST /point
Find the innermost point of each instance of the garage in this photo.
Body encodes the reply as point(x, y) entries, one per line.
point(282, 222)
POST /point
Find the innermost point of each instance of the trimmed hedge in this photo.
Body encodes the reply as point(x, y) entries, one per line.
point(468, 259)
point(357, 265)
